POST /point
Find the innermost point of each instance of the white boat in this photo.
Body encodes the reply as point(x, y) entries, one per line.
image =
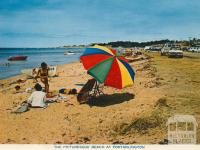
point(33, 72)
point(69, 53)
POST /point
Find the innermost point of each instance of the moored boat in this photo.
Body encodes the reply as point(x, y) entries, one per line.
point(17, 58)
point(52, 71)
point(69, 53)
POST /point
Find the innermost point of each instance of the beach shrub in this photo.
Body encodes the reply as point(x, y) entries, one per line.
point(156, 118)
point(162, 102)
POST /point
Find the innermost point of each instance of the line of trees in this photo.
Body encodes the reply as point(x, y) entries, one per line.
point(133, 44)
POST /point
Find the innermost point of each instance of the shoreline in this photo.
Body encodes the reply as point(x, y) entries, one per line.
point(35, 57)
point(23, 75)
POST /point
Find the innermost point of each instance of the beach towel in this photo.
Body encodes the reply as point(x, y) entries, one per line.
point(24, 107)
point(55, 99)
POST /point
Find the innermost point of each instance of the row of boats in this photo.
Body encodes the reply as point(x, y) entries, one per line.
point(22, 58)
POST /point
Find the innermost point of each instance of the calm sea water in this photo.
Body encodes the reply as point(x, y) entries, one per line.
point(52, 56)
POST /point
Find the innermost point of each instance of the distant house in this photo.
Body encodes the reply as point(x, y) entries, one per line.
point(195, 42)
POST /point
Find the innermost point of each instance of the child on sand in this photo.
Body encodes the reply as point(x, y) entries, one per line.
point(43, 75)
point(37, 98)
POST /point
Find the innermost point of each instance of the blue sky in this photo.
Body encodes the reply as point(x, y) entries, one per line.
point(47, 23)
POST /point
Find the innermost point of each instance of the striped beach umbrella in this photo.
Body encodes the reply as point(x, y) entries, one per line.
point(107, 66)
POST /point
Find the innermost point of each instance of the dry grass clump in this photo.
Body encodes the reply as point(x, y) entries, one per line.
point(140, 125)
point(162, 102)
point(156, 119)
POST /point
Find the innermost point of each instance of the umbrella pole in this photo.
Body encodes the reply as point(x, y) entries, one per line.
point(97, 89)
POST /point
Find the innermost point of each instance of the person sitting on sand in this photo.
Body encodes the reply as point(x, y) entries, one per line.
point(37, 98)
point(43, 75)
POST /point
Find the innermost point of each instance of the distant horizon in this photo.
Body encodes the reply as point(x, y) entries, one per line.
point(53, 23)
point(73, 45)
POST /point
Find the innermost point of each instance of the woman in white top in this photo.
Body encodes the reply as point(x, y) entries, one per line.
point(37, 98)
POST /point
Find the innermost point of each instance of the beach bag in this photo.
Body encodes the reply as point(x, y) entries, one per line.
point(73, 91)
point(62, 91)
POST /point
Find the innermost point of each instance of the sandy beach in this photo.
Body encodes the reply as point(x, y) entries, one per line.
point(135, 114)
